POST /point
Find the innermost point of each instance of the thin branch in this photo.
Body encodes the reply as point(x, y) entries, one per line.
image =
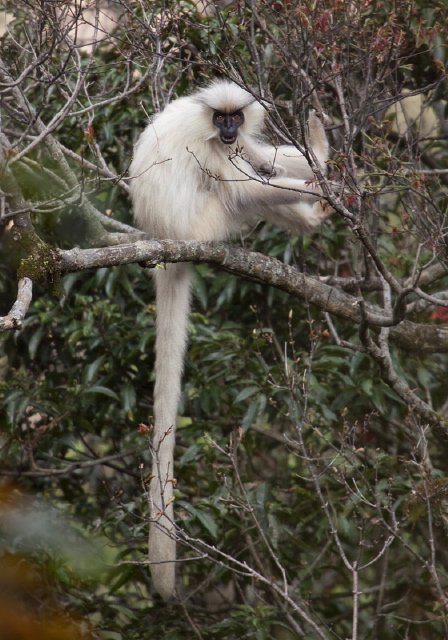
point(39, 472)
point(14, 319)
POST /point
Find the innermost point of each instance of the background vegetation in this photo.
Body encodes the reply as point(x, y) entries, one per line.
point(312, 442)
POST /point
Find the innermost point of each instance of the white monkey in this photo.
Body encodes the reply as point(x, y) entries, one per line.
point(201, 170)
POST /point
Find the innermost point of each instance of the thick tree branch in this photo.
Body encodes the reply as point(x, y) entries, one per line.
point(265, 270)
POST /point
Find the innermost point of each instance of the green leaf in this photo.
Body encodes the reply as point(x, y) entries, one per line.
point(200, 290)
point(208, 522)
point(35, 340)
point(246, 393)
point(128, 396)
point(91, 370)
point(250, 415)
point(102, 390)
point(189, 455)
point(203, 516)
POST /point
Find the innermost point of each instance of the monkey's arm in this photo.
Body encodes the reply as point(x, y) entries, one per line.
point(284, 161)
point(295, 204)
point(287, 160)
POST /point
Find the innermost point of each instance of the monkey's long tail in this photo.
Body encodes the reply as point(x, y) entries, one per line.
point(173, 310)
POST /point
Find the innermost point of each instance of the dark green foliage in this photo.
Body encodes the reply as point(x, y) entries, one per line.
point(296, 463)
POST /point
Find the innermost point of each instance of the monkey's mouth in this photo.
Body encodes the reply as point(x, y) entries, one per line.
point(228, 139)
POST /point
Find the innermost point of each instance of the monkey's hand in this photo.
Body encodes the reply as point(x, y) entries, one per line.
point(319, 115)
point(266, 170)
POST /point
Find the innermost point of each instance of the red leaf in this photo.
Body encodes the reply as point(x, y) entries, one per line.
point(439, 313)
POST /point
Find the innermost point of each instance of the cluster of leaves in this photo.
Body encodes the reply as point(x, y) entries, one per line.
point(81, 364)
point(294, 458)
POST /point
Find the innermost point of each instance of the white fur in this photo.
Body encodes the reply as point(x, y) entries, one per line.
point(185, 186)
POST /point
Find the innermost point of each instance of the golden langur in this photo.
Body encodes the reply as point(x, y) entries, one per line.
point(201, 170)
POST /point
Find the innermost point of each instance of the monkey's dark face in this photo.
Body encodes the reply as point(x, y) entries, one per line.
point(228, 124)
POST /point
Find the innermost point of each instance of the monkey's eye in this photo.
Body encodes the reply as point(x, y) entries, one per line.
point(237, 117)
point(219, 117)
